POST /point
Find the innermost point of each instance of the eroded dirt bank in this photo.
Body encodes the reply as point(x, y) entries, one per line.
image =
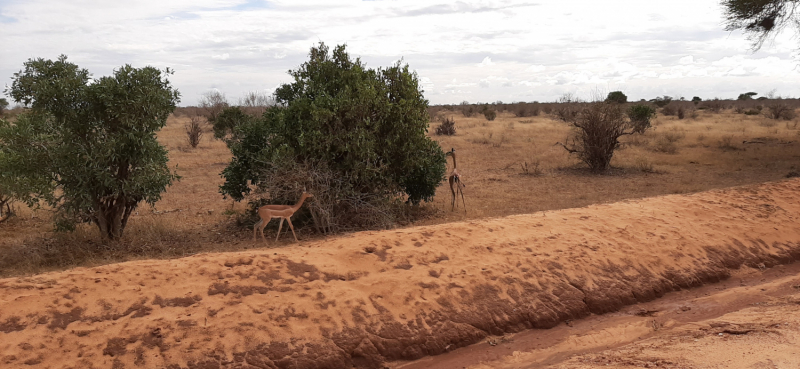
point(373, 297)
point(749, 321)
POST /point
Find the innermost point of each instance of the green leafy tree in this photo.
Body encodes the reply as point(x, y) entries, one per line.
point(88, 150)
point(617, 97)
point(364, 127)
point(760, 18)
point(746, 96)
point(3, 106)
point(640, 115)
point(662, 101)
point(227, 120)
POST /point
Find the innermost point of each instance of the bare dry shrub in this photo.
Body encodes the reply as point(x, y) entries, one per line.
point(767, 123)
point(194, 131)
point(596, 133)
point(500, 141)
point(567, 107)
point(188, 111)
point(669, 110)
point(532, 169)
point(780, 110)
point(675, 134)
point(726, 143)
point(523, 110)
point(255, 103)
point(5, 207)
point(467, 109)
point(147, 238)
point(213, 103)
point(567, 111)
point(637, 140)
point(666, 146)
point(714, 106)
point(642, 164)
point(447, 128)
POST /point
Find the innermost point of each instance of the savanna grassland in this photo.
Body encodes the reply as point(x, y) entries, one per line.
point(510, 165)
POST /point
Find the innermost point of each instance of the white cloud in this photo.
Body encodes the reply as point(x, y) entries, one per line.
point(487, 61)
point(535, 68)
point(527, 51)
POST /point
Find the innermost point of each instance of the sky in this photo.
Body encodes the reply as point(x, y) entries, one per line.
point(475, 51)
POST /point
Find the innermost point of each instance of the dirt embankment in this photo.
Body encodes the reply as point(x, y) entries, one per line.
point(372, 297)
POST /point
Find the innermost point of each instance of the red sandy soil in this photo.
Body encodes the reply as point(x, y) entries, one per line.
point(373, 299)
point(751, 320)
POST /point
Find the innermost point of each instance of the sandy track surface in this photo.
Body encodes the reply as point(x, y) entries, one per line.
point(372, 297)
point(749, 321)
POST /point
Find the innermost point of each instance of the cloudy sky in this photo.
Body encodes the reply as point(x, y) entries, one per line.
point(478, 51)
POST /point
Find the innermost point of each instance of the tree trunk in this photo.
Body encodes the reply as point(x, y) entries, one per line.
point(111, 216)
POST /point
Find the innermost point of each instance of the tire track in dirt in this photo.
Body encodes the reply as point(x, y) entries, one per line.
point(372, 297)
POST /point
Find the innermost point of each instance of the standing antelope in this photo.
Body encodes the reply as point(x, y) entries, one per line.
point(267, 212)
point(455, 181)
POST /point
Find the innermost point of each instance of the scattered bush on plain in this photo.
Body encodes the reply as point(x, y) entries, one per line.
point(194, 131)
point(87, 150)
point(368, 138)
point(640, 116)
point(447, 127)
point(596, 133)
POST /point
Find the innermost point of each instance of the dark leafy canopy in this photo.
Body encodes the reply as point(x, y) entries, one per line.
point(617, 97)
point(88, 149)
point(640, 115)
point(367, 126)
point(760, 18)
point(227, 120)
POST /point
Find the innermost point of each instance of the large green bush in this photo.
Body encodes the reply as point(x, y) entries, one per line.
point(640, 115)
point(357, 130)
point(617, 96)
point(88, 150)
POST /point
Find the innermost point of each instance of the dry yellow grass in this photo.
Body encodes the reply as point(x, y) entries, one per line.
point(492, 156)
point(510, 166)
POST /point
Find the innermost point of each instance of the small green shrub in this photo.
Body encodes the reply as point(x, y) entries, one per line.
point(640, 115)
